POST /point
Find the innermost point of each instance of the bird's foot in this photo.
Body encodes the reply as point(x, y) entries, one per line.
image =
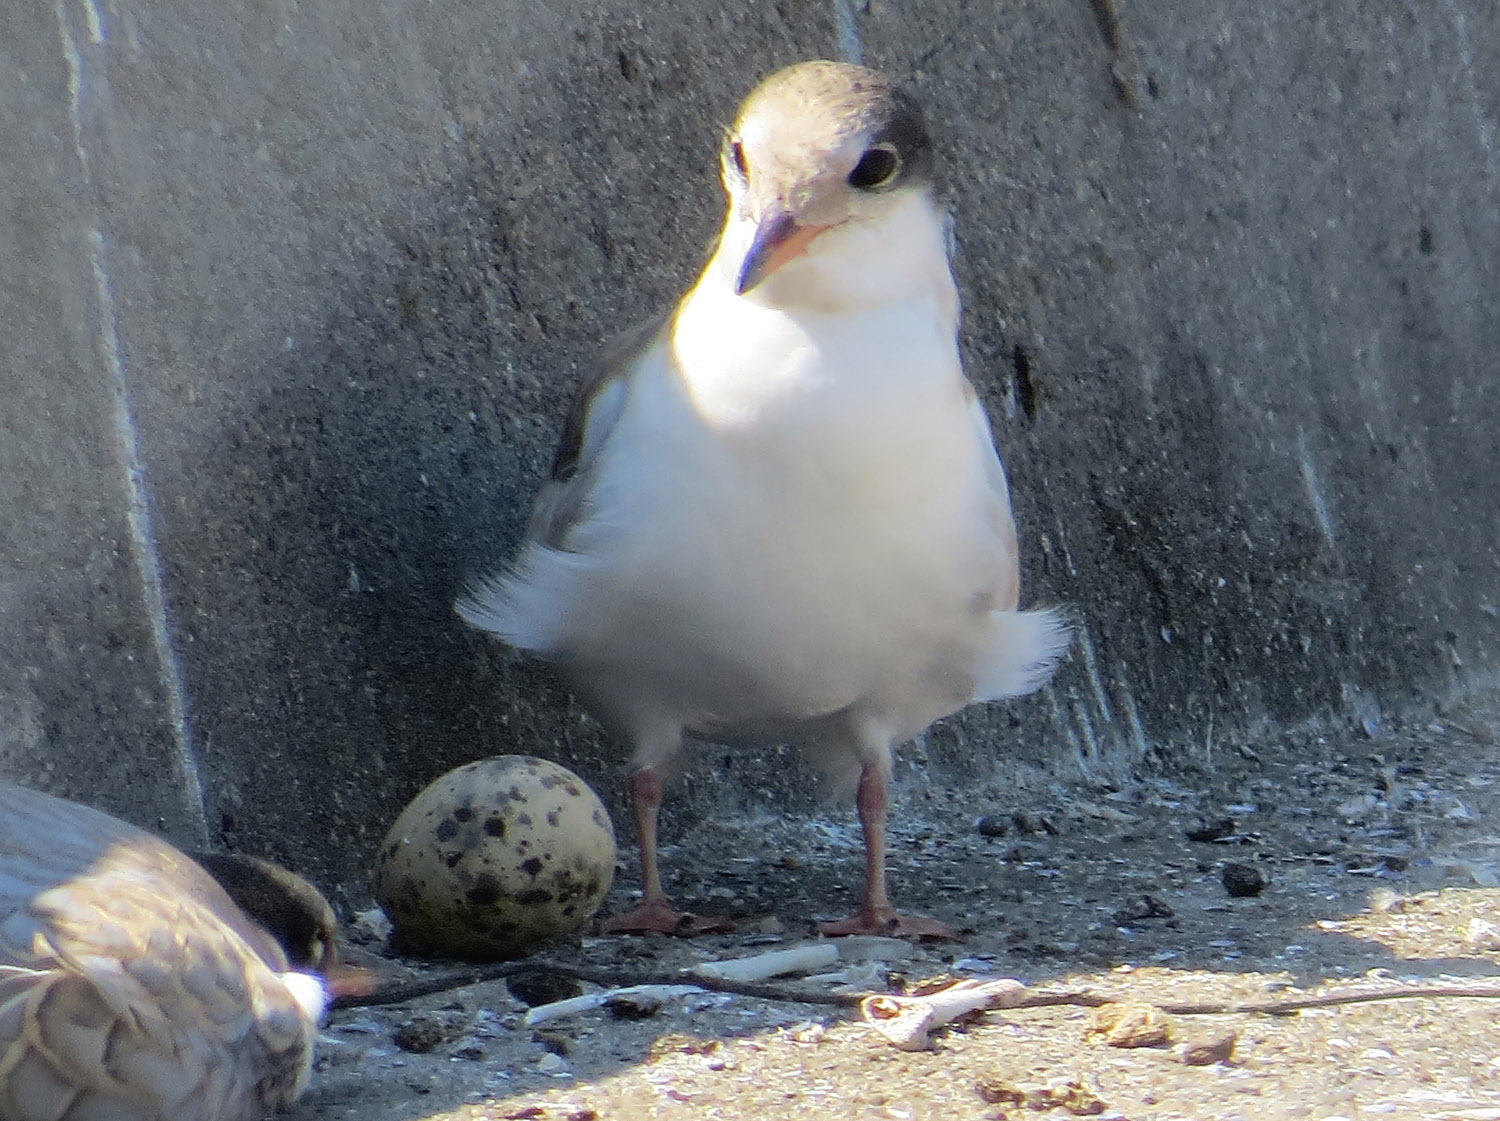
point(659, 917)
point(891, 924)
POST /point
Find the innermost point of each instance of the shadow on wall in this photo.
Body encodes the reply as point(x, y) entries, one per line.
point(383, 465)
point(1205, 396)
point(378, 468)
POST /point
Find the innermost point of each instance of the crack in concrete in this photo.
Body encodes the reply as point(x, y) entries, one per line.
point(143, 543)
point(1314, 487)
point(1466, 60)
point(850, 49)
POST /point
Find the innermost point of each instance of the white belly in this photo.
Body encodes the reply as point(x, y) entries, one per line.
point(775, 544)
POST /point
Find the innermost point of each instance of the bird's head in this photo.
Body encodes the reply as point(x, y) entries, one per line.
point(818, 147)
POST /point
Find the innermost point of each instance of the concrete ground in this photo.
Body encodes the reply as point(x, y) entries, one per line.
point(1379, 856)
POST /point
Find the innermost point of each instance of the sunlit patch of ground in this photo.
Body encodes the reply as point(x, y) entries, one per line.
point(1381, 858)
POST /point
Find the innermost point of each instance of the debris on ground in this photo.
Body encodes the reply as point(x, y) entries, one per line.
point(1353, 984)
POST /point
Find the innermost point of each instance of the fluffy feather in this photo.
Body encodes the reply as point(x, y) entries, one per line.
point(131, 986)
point(780, 515)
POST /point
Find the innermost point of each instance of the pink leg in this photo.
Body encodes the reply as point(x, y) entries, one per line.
point(876, 915)
point(655, 914)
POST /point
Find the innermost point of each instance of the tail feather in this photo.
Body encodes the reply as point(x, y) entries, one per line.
point(528, 606)
point(1024, 653)
point(486, 603)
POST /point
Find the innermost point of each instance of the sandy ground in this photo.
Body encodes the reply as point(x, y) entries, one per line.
point(1380, 856)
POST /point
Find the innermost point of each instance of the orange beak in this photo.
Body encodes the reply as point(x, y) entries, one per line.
point(778, 239)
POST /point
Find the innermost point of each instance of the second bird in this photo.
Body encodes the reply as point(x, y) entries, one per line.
point(777, 514)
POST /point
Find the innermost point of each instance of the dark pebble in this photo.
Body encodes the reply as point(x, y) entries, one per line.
point(632, 1006)
point(420, 1035)
point(1243, 881)
point(1206, 831)
point(993, 825)
point(1032, 824)
point(542, 986)
point(1146, 907)
point(1207, 1051)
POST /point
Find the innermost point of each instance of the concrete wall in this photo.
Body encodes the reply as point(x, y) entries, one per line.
point(294, 294)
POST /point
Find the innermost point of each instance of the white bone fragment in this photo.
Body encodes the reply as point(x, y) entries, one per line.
point(799, 959)
point(558, 1008)
point(875, 947)
point(909, 1021)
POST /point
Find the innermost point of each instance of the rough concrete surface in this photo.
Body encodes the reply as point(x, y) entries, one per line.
point(1376, 874)
point(295, 294)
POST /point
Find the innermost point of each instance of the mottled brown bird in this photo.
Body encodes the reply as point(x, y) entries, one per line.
point(132, 987)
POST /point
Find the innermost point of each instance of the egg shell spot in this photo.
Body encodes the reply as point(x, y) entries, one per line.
point(494, 857)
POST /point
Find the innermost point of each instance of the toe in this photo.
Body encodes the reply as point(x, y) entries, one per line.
point(661, 918)
point(889, 924)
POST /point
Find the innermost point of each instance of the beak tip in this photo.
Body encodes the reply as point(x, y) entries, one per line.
point(776, 235)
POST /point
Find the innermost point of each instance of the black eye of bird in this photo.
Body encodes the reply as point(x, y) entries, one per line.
point(877, 167)
point(734, 153)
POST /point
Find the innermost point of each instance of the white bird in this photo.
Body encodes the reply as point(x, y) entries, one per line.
point(131, 987)
point(778, 515)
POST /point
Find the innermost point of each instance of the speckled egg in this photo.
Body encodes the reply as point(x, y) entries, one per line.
point(495, 857)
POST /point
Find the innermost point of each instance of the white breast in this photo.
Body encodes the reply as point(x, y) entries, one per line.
point(794, 511)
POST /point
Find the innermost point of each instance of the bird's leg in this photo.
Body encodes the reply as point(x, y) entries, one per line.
point(646, 796)
point(655, 914)
point(876, 915)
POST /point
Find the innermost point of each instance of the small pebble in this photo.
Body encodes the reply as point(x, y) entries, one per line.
point(632, 1006)
point(1146, 907)
point(1032, 824)
point(1242, 881)
point(1208, 1050)
point(369, 927)
point(994, 825)
point(1482, 934)
point(542, 986)
point(420, 1034)
point(552, 1063)
point(1130, 1024)
point(1206, 831)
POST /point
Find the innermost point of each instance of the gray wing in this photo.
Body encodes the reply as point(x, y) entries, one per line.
point(590, 418)
point(1007, 592)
